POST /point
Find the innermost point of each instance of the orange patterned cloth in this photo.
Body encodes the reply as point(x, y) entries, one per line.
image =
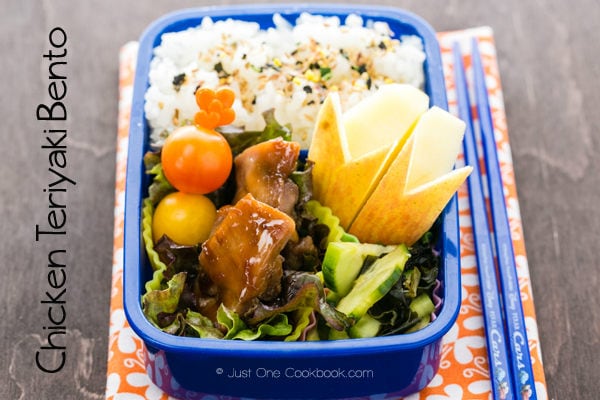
point(463, 372)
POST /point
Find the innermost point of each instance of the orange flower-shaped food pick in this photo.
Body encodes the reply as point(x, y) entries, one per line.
point(215, 107)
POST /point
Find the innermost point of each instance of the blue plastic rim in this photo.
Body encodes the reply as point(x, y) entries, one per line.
point(392, 364)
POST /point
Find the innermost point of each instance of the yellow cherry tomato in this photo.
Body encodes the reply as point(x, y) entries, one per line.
point(185, 218)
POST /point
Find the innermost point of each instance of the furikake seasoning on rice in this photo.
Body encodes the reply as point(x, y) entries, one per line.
point(289, 69)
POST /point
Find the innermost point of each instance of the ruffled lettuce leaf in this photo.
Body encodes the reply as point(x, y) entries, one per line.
point(188, 323)
point(177, 258)
point(198, 325)
point(165, 301)
point(306, 253)
point(275, 326)
point(300, 290)
point(303, 321)
point(302, 255)
point(157, 265)
point(171, 323)
point(325, 216)
point(199, 289)
point(160, 186)
point(302, 177)
point(163, 309)
point(239, 139)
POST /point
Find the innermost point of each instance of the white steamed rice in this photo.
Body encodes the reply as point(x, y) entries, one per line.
point(288, 68)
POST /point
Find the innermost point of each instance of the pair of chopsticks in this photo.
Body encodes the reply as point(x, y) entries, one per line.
point(511, 373)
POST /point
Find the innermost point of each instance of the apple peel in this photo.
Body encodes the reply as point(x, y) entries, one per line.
point(328, 148)
point(392, 215)
point(348, 166)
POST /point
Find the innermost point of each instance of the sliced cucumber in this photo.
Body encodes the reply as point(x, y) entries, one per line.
point(336, 335)
point(423, 322)
point(332, 297)
point(365, 327)
point(319, 275)
point(369, 249)
point(341, 265)
point(423, 306)
point(373, 284)
point(343, 261)
point(348, 237)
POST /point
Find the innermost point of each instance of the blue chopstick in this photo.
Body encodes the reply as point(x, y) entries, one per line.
point(497, 348)
point(513, 308)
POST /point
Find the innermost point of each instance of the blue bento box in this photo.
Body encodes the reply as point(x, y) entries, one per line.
point(189, 368)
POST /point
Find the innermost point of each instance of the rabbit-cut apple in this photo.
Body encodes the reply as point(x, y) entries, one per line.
point(393, 191)
point(353, 150)
point(417, 185)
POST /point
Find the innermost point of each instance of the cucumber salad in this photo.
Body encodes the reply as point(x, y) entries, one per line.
point(240, 248)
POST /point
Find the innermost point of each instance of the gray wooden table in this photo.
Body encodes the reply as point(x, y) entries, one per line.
point(548, 56)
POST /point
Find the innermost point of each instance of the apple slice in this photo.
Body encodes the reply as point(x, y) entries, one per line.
point(352, 183)
point(438, 140)
point(405, 218)
point(417, 185)
point(383, 118)
point(370, 134)
point(328, 148)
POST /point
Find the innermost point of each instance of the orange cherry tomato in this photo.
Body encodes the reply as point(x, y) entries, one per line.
point(196, 160)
